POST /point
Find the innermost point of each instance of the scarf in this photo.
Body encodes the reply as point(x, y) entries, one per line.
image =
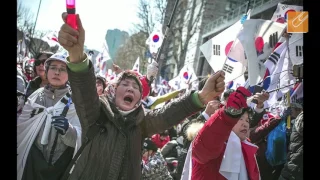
point(111, 95)
point(30, 122)
point(239, 161)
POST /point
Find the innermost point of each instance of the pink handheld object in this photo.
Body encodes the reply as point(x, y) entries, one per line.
point(71, 10)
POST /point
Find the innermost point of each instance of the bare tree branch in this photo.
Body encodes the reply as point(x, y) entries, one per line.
point(161, 7)
point(25, 25)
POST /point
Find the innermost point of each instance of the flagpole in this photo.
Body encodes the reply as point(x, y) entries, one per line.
point(248, 6)
point(34, 27)
point(164, 38)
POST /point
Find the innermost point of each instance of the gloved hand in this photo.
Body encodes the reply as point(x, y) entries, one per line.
point(237, 102)
point(61, 124)
point(152, 70)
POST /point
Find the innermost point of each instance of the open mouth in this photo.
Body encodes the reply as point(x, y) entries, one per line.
point(56, 79)
point(244, 131)
point(128, 99)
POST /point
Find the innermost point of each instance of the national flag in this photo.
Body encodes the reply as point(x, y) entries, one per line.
point(102, 59)
point(296, 48)
point(281, 13)
point(155, 39)
point(187, 76)
point(136, 65)
point(234, 84)
point(259, 38)
point(225, 51)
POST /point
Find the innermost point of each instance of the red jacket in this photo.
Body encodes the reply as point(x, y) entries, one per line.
point(209, 146)
point(160, 143)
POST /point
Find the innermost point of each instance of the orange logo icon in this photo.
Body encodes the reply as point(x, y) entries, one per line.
point(298, 22)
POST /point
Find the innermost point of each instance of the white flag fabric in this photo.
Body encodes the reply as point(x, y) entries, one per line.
point(296, 48)
point(259, 38)
point(155, 39)
point(136, 66)
point(286, 77)
point(239, 81)
point(281, 13)
point(276, 71)
point(187, 76)
point(273, 59)
point(225, 52)
point(175, 83)
point(102, 58)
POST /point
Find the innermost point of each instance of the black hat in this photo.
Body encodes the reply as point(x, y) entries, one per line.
point(148, 144)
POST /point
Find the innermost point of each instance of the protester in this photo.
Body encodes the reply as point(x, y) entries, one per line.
point(293, 168)
point(220, 149)
point(40, 79)
point(120, 113)
point(48, 129)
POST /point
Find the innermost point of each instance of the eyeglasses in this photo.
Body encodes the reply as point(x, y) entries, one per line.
point(38, 62)
point(54, 68)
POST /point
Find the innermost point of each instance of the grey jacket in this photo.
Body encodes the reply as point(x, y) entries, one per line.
point(115, 152)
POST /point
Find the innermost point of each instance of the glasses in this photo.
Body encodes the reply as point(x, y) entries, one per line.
point(38, 62)
point(54, 68)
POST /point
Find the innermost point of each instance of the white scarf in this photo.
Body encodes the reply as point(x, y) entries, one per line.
point(233, 166)
point(187, 168)
point(28, 128)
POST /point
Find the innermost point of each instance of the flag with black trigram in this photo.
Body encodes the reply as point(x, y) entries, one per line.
point(296, 48)
point(227, 68)
point(274, 58)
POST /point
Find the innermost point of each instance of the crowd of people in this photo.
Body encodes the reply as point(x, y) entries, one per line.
point(73, 124)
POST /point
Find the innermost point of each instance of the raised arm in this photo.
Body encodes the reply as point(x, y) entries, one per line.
point(260, 132)
point(177, 110)
point(159, 120)
point(210, 140)
point(84, 93)
point(81, 74)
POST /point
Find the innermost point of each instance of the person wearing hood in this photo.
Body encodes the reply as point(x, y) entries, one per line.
point(114, 152)
point(48, 129)
point(40, 79)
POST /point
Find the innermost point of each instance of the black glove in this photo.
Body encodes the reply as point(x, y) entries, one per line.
point(61, 124)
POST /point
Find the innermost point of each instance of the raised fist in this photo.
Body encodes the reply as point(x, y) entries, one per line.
point(237, 102)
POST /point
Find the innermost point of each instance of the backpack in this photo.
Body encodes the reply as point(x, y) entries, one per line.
point(276, 153)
